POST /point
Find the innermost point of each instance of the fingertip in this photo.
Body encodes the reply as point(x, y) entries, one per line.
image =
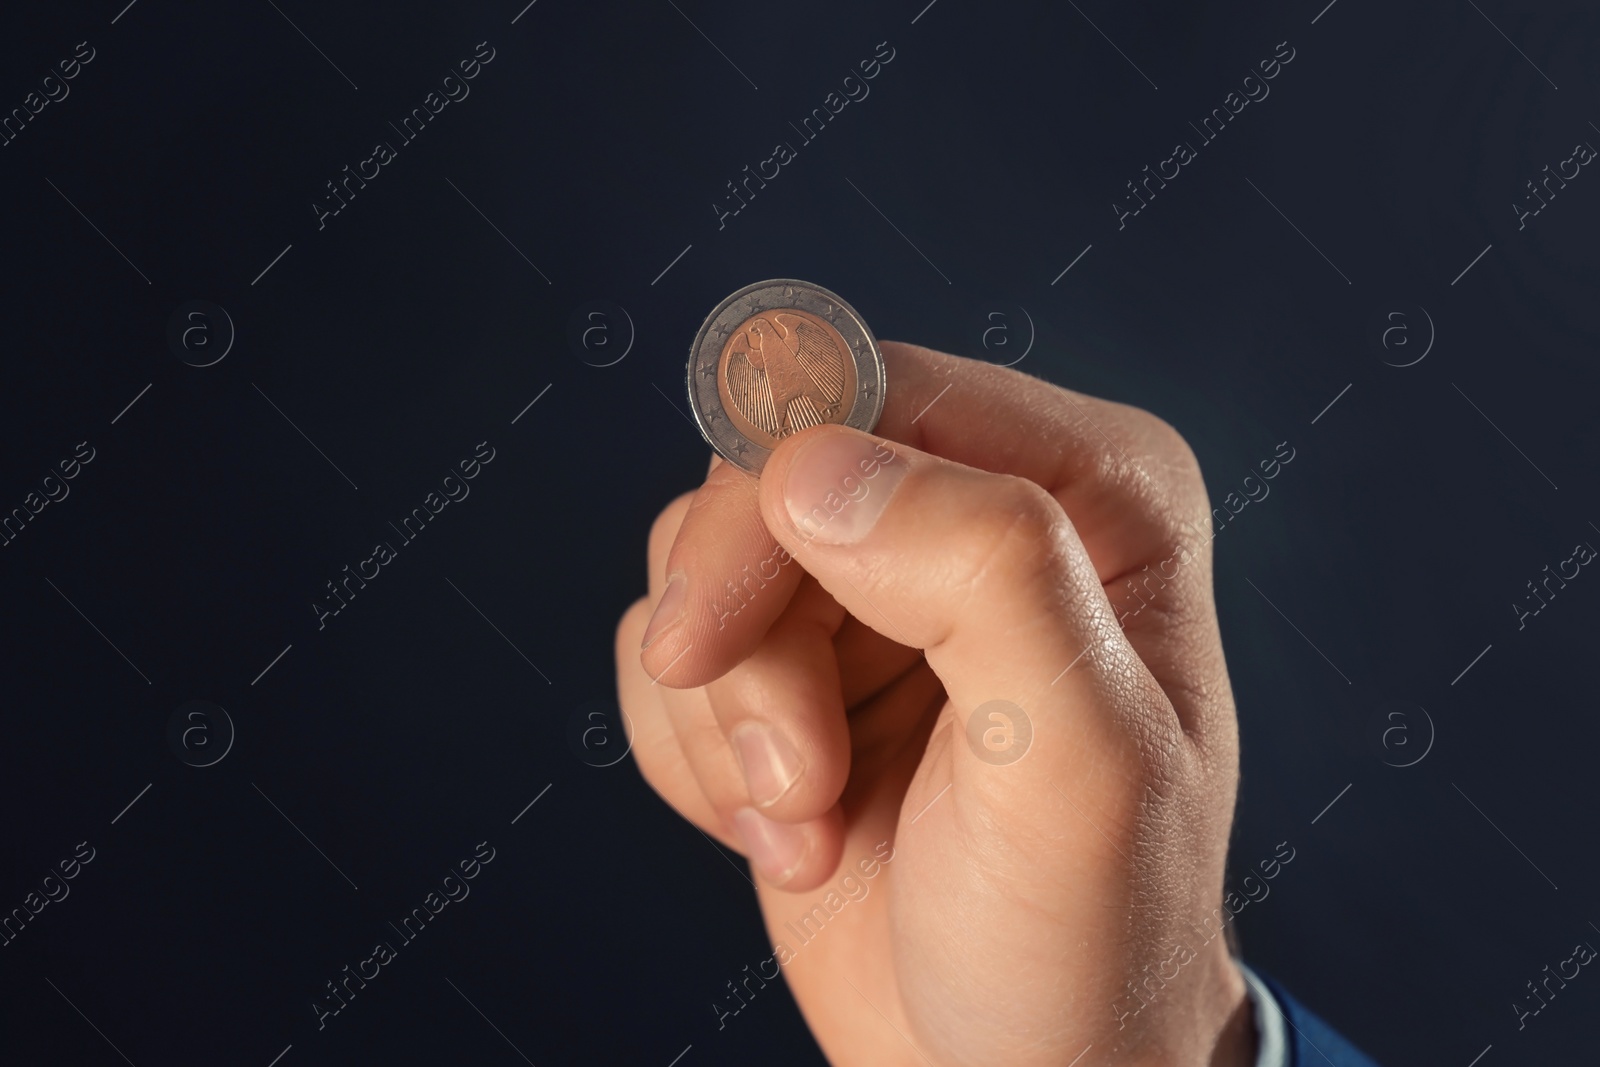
point(782, 713)
point(793, 857)
point(663, 534)
point(770, 762)
point(669, 609)
point(734, 583)
point(631, 626)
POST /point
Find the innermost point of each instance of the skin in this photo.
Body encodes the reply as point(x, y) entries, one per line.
point(988, 557)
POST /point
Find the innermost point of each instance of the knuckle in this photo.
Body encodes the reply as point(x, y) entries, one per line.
point(1018, 533)
point(1188, 484)
point(1173, 447)
point(1161, 440)
point(1180, 486)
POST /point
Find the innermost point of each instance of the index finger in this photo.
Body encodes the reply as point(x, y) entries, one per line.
point(727, 580)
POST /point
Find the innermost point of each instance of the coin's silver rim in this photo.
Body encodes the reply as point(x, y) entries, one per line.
point(707, 351)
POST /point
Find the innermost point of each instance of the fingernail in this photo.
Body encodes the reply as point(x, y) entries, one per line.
point(667, 611)
point(771, 765)
point(775, 848)
point(838, 486)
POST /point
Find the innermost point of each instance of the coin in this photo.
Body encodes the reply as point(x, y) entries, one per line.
point(776, 357)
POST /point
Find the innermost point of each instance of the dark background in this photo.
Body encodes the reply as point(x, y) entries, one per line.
point(428, 714)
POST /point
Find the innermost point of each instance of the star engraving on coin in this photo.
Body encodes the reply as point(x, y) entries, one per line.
point(776, 358)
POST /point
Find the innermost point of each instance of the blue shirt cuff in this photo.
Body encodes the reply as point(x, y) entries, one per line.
point(1272, 1047)
point(1290, 1035)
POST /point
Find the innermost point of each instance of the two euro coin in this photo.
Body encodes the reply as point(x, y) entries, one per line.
point(775, 358)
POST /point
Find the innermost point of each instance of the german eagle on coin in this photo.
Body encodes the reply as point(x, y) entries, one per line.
point(788, 375)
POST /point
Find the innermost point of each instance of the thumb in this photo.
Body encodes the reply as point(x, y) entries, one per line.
point(987, 575)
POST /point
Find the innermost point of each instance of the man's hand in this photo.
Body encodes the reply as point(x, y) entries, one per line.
point(815, 643)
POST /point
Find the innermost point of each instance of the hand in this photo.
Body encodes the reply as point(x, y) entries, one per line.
point(821, 636)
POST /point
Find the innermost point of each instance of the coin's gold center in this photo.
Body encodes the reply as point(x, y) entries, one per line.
point(782, 370)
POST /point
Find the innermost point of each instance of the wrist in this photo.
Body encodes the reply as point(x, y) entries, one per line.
point(1237, 1041)
point(1224, 1022)
point(1203, 1017)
